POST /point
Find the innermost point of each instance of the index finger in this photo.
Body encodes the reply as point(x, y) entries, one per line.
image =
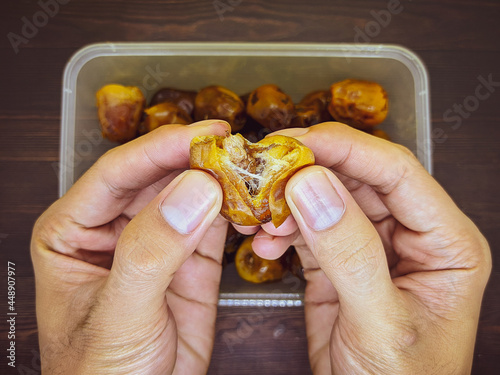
point(411, 195)
point(104, 191)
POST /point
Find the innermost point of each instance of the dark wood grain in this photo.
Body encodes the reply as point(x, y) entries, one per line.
point(457, 39)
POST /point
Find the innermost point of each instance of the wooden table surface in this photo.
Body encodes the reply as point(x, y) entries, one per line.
point(457, 39)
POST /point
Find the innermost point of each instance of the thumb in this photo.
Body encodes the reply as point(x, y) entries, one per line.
point(342, 239)
point(160, 238)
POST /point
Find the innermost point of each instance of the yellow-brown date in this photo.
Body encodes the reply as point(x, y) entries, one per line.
point(312, 109)
point(119, 109)
point(253, 176)
point(163, 114)
point(271, 107)
point(217, 102)
point(182, 98)
point(361, 104)
point(255, 269)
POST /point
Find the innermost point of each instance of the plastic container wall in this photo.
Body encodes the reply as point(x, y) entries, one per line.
point(296, 68)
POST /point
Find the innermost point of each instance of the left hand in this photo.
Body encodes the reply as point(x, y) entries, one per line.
point(128, 262)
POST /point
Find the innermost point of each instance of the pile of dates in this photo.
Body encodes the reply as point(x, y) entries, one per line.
point(123, 113)
point(123, 116)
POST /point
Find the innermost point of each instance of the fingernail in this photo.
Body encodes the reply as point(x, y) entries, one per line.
point(317, 201)
point(209, 122)
point(188, 204)
point(292, 132)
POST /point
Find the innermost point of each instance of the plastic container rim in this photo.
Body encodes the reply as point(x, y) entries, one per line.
point(347, 50)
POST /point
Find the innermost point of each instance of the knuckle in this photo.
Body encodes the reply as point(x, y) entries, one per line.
point(406, 158)
point(111, 168)
point(108, 157)
point(37, 237)
point(404, 151)
point(478, 253)
point(52, 232)
point(404, 163)
point(487, 258)
point(467, 247)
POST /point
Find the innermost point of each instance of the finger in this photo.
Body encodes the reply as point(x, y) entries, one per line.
point(193, 293)
point(373, 207)
point(67, 237)
point(147, 194)
point(319, 288)
point(288, 227)
point(213, 243)
point(391, 170)
point(271, 242)
point(321, 309)
point(246, 230)
point(342, 239)
point(156, 243)
point(198, 278)
point(367, 198)
point(267, 246)
point(103, 238)
point(107, 188)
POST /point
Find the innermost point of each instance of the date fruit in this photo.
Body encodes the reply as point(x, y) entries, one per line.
point(380, 134)
point(361, 104)
point(119, 109)
point(217, 102)
point(182, 98)
point(271, 107)
point(163, 114)
point(312, 109)
point(252, 175)
point(255, 269)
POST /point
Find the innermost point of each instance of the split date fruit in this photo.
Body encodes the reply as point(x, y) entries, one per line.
point(253, 176)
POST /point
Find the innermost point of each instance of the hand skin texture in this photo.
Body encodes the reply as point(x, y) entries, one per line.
point(128, 262)
point(395, 271)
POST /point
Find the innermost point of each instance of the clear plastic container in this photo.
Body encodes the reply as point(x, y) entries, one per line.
point(296, 68)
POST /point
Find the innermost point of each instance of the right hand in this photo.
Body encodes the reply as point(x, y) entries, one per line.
point(395, 271)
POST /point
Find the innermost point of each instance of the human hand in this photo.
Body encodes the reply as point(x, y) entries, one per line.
point(128, 262)
point(395, 271)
